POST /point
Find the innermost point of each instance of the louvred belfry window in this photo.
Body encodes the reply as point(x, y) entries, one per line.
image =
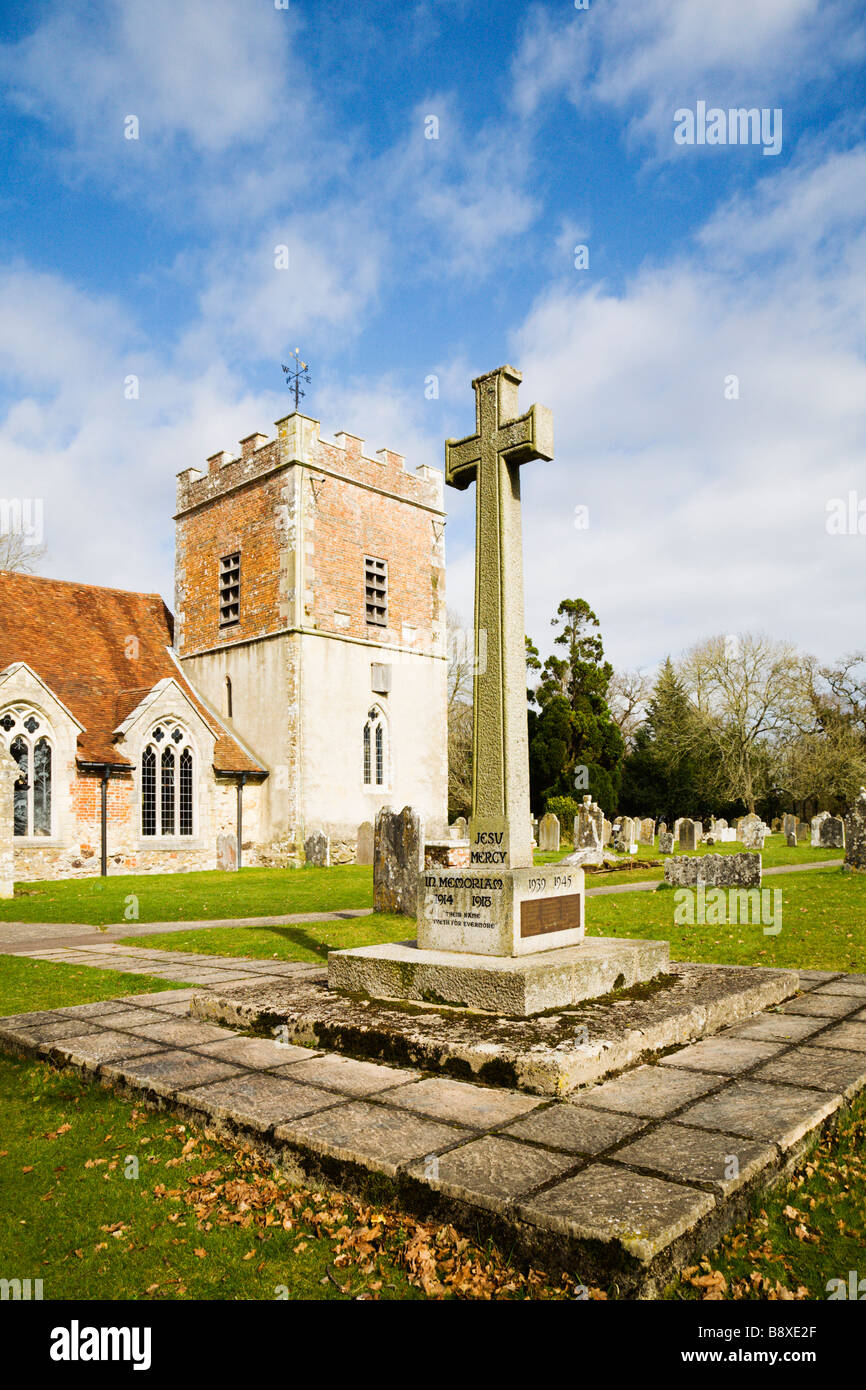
point(230, 589)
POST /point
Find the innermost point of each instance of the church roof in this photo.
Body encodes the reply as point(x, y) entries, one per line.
point(99, 651)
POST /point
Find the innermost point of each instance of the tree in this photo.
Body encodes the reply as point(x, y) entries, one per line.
point(662, 775)
point(573, 729)
point(461, 662)
point(749, 695)
point(627, 696)
point(17, 554)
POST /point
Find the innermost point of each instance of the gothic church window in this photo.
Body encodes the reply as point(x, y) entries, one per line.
point(29, 743)
point(168, 783)
point(375, 748)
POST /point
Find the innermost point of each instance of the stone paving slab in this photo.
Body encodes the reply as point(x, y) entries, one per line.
point(698, 1156)
point(758, 1110)
point(625, 1179)
point(824, 1068)
point(256, 1100)
point(817, 1005)
point(613, 1204)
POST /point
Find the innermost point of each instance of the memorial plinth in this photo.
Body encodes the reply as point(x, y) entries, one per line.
point(501, 935)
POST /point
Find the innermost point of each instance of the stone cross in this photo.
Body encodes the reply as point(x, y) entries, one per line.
point(491, 458)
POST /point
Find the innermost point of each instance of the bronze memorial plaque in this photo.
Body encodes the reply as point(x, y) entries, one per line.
point(539, 916)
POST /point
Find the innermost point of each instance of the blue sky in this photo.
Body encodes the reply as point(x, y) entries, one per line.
point(305, 126)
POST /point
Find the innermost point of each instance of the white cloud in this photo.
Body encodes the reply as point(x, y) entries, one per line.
point(706, 514)
point(644, 60)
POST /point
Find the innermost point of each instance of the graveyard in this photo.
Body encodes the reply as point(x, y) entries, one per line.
point(606, 1048)
point(432, 683)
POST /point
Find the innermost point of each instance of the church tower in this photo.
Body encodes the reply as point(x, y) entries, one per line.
point(310, 613)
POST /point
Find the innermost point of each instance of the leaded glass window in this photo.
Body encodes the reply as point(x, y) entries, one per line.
point(375, 749)
point(29, 743)
point(168, 782)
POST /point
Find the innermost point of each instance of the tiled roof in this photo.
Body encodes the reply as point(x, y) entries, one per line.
point(99, 651)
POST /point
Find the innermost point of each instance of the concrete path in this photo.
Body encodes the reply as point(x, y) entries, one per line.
point(650, 885)
point(627, 1179)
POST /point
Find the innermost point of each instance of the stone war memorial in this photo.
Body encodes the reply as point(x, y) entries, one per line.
point(501, 935)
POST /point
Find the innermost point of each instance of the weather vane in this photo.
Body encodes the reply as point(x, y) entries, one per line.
point(297, 374)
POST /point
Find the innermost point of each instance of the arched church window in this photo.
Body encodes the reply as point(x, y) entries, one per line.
point(168, 782)
point(375, 749)
point(28, 739)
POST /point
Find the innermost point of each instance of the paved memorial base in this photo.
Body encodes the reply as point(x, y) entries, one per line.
point(549, 1054)
point(622, 1183)
point(522, 985)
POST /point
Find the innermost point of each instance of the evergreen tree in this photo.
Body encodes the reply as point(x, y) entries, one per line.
point(574, 727)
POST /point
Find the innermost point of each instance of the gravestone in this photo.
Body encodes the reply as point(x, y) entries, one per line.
point(364, 844)
point(688, 837)
point(789, 824)
point(719, 826)
point(588, 825)
point(677, 823)
point(751, 832)
point(718, 870)
point(666, 842)
point(803, 832)
point(227, 853)
point(548, 834)
point(461, 825)
point(831, 833)
point(663, 827)
point(317, 850)
point(606, 832)
point(623, 836)
point(398, 860)
point(647, 832)
point(817, 822)
point(855, 832)
point(791, 839)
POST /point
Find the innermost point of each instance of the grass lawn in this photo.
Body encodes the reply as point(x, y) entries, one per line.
point(306, 941)
point(104, 1199)
point(801, 1235)
point(193, 897)
point(26, 986)
point(774, 855)
point(823, 924)
point(823, 928)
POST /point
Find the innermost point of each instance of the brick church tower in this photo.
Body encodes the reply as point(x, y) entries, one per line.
point(310, 613)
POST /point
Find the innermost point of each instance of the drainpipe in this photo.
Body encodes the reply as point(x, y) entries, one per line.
point(242, 781)
point(106, 773)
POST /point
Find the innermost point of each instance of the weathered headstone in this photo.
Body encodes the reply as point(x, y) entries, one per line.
point(647, 832)
point(662, 827)
point(548, 834)
point(789, 824)
point(461, 825)
point(364, 845)
point(831, 833)
point(817, 822)
point(791, 839)
point(623, 836)
point(803, 832)
point(855, 832)
point(751, 832)
point(317, 849)
point(606, 832)
point(719, 870)
point(588, 825)
point(688, 837)
point(398, 860)
point(227, 852)
point(677, 823)
point(666, 842)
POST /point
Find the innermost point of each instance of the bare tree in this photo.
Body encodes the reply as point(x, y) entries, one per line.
point(16, 553)
point(750, 695)
point(460, 673)
point(627, 696)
